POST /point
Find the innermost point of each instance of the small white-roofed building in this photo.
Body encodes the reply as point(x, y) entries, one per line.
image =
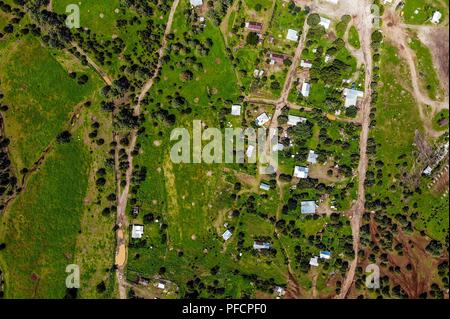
point(306, 87)
point(137, 231)
point(312, 157)
point(301, 172)
point(264, 186)
point(308, 207)
point(306, 64)
point(259, 245)
point(351, 97)
point(325, 255)
point(314, 261)
point(278, 147)
point(161, 285)
point(428, 170)
point(196, 3)
point(236, 109)
point(226, 235)
point(324, 22)
point(436, 17)
point(262, 119)
point(292, 35)
point(294, 120)
point(250, 150)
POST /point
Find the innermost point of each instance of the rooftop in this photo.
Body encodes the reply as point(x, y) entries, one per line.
point(137, 231)
point(292, 35)
point(236, 110)
point(312, 157)
point(308, 207)
point(301, 172)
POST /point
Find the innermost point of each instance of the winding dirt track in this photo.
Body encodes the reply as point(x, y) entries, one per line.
point(121, 252)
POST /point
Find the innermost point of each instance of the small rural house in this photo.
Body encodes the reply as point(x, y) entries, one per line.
point(226, 235)
point(325, 255)
point(292, 35)
point(236, 110)
point(196, 3)
point(264, 186)
point(276, 58)
point(324, 22)
point(306, 87)
point(137, 231)
point(351, 97)
point(312, 157)
point(436, 17)
point(259, 245)
point(262, 119)
point(301, 172)
point(254, 26)
point(308, 207)
point(294, 120)
point(314, 261)
point(428, 170)
point(306, 64)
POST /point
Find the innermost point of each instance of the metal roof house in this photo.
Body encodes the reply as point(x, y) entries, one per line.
point(312, 157)
point(351, 97)
point(226, 235)
point(308, 207)
point(314, 261)
point(254, 26)
point(301, 172)
point(294, 120)
point(325, 255)
point(196, 3)
point(325, 23)
point(137, 231)
point(259, 245)
point(436, 17)
point(276, 58)
point(306, 87)
point(236, 109)
point(278, 147)
point(264, 186)
point(306, 64)
point(292, 35)
point(262, 119)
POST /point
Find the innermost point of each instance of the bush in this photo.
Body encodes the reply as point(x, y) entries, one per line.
point(313, 19)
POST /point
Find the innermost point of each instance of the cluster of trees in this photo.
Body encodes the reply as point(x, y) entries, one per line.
point(8, 182)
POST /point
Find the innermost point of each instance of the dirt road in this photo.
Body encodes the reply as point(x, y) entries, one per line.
point(121, 251)
point(363, 23)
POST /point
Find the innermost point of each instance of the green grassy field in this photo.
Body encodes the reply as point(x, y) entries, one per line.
point(425, 10)
point(40, 95)
point(43, 224)
point(429, 78)
point(353, 37)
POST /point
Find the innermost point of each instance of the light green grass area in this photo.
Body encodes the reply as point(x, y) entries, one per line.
point(427, 72)
point(40, 95)
point(425, 10)
point(353, 37)
point(285, 17)
point(43, 223)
